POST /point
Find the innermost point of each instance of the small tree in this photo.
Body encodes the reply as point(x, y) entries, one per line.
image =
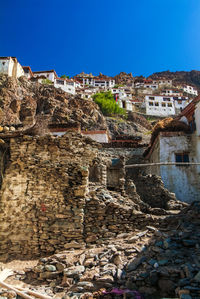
point(107, 103)
point(64, 77)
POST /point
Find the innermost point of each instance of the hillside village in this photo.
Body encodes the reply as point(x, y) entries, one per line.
point(98, 206)
point(159, 97)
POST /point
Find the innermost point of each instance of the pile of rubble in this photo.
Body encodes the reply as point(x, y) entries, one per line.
point(153, 263)
point(170, 265)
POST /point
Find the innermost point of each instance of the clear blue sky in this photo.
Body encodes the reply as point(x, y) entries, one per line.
point(108, 36)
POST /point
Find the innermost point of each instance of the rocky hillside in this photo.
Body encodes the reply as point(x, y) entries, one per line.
point(24, 105)
point(22, 101)
point(124, 78)
point(192, 77)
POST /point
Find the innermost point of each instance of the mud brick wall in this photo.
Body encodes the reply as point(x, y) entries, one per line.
point(42, 197)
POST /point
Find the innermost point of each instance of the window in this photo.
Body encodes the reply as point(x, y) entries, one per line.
point(169, 105)
point(157, 104)
point(166, 99)
point(61, 82)
point(150, 103)
point(181, 157)
point(151, 98)
point(163, 104)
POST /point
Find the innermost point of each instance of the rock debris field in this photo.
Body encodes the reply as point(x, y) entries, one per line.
point(158, 262)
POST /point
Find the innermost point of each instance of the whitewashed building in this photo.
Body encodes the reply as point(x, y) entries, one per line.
point(180, 146)
point(180, 103)
point(27, 72)
point(163, 82)
point(124, 100)
point(160, 105)
point(99, 136)
point(190, 89)
point(98, 82)
point(151, 85)
point(11, 67)
point(171, 92)
point(50, 75)
point(65, 84)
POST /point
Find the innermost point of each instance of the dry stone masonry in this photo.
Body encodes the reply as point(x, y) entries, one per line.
point(46, 204)
point(43, 194)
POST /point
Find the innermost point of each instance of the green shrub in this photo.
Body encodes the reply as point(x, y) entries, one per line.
point(107, 103)
point(47, 81)
point(64, 77)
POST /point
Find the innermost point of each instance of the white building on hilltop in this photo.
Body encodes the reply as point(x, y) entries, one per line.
point(66, 85)
point(160, 105)
point(11, 67)
point(124, 100)
point(99, 82)
point(50, 75)
point(190, 89)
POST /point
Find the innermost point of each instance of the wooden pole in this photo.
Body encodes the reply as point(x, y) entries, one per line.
point(23, 295)
point(38, 295)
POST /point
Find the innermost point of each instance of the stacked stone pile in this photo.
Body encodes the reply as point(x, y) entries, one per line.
point(107, 213)
point(171, 264)
point(152, 191)
point(80, 273)
point(156, 262)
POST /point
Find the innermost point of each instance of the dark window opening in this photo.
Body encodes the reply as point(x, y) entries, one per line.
point(124, 104)
point(182, 158)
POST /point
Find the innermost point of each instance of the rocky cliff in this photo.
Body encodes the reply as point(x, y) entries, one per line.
point(21, 101)
point(26, 105)
point(192, 77)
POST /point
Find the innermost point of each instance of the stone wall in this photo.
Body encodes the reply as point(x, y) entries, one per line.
point(43, 189)
point(47, 203)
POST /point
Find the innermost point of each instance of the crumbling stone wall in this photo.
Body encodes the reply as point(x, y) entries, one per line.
point(43, 194)
point(45, 202)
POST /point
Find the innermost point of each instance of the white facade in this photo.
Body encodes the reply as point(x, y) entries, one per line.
point(97, 82)
point(27, 72)
point(181, 103)
point(197, 119)
point(171, 92)
point(50, 75)
point(11, 67)
point(180, 147)
point(99, 136)
point(124, 100)
point(162, 82)
point(115, 90)
point(151, 85)
point(190, 89)
point(77, 84)
point(126, 104)
point(159, 105)
point(179, 179)
point(65, 85)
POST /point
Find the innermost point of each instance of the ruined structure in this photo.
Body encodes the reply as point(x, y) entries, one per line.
point(43, 189)
point(45, 203)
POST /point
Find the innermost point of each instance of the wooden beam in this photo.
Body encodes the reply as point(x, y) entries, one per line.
point(163, 164)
